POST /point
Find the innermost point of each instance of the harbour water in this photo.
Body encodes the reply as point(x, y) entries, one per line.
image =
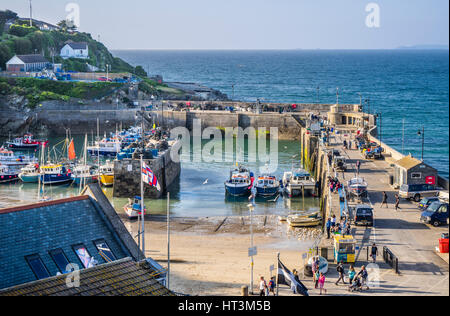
point(400, 84)
point(190, 197)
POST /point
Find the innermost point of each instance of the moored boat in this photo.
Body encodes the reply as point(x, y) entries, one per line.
point(299, 182)
point(82, 174)
point(26, 142)
point(105, 147)
point(267, 186)
point(7, 175)
point(304, 220)
point(107, 174)
point(30, 173)
point(133, 209)
point(240, 182)
point(7, 157)
point(54, 174)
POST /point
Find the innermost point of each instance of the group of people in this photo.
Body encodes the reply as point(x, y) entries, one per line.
point(355, 280)
point(318, 277)
point(333, 227)
point(266, 288)
point(385, 199)
point(335, 185)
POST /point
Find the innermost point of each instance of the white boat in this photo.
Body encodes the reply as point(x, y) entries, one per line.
point(7, 175)
point(30, 174)
point(299, 182)
point(8, 158)
point(357, 187)
point(105, 147)
point(304, 220)
point(133, 209)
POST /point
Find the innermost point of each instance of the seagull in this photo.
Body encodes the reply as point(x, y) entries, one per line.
point(206, 182)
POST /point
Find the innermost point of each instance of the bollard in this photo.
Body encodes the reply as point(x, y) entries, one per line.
point(244, 290)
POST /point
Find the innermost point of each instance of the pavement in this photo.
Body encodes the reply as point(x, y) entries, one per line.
point(423, 272)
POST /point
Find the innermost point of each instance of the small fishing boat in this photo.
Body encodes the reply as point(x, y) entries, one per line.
point(267, 186)
point(107, 174)
point(54, 174)
point(81, 174)
point(240, 182)
point(299, 182)
point(7, 175)
point(304, 220)
point(133, 209)
point(105, 147)
point(8, 158)
point(27, 142)
point(30, 174)
point(357, 187)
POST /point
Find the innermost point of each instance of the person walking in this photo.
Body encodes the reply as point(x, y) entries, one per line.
point(385, 199)
point(358, 166)
point(341, 271)
point(333, 222)
point(314, 268)
point(262, 287)
point(397, 202)
point(374, 253)
point(322, 283)
point(351, 274)
point(363, 275)
point(328, 226)
point(272, 286)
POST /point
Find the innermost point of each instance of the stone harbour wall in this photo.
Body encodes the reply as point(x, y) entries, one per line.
point(127, 176)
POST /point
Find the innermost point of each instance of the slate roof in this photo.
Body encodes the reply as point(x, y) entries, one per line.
point(39, 228)
point(408, 162)
point(119, 278)
point(78, 45)
point(32, 59)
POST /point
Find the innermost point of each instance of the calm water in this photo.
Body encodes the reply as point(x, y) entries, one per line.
point(189, 196)
point(401, 84)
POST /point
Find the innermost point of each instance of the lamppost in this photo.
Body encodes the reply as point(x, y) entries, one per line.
point(422, 133)
point(379, 115)
point(251, 208)
point(318, 90)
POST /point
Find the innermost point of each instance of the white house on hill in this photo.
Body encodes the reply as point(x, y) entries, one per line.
point(27, 63)
point(75, 50)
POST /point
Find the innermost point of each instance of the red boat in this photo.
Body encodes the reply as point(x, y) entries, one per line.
point(26, 142)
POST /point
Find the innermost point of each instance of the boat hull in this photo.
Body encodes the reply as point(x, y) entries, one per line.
point(9, 178)
point(95, 152)
point(29, 178)
point(78, 180)
point(294, 190)
point(23, 147)
point(56, 179)
point(238, 190)
point(107, 180)
point(266, 191)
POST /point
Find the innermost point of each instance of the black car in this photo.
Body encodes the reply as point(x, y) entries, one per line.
point(363, 215)
point(425, 202)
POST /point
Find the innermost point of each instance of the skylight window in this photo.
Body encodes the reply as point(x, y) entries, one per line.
point(37, 266)
point(83, 255)
point(104, 250)
point(60, 260)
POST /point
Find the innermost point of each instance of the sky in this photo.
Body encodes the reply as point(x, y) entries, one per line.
point(251, 24)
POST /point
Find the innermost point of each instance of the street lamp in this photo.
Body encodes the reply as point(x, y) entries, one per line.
point(251, 208)
point(422, 133)
point(318, 90)
point(379, 115)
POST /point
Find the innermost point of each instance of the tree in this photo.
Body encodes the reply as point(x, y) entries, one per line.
point(139, 71)
point(63, 25)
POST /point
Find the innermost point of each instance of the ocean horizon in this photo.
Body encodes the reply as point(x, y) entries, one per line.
point(400, 84)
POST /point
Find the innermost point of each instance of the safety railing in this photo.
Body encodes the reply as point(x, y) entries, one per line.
point(390, 259)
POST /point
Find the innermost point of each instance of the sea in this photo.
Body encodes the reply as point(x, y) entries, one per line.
point(409, 88)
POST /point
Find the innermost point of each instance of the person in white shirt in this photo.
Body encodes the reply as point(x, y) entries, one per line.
point(262, 287)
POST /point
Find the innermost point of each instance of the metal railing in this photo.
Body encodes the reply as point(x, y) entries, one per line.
point(390, 259)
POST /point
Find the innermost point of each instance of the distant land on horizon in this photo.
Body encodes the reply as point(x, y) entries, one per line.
point(425, 47)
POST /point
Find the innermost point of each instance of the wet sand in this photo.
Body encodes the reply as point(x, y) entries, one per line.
point(209, 256)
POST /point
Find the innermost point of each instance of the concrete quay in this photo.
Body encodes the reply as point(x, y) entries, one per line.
point(423, 272)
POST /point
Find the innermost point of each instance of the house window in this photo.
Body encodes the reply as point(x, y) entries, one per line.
point(37, 266)
point(83, 255)
point(104, 251)
point(416, 175)
point(60, 260)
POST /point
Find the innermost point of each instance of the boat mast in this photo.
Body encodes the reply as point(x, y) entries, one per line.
point(142, 207)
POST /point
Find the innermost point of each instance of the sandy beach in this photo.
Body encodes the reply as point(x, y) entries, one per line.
point(209, 256)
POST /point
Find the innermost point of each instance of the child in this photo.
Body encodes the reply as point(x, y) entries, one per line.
point(322, 283)
point(351, 274)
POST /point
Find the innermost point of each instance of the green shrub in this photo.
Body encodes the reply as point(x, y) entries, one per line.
point(21, 30)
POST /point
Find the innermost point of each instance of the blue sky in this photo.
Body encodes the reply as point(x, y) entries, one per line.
point(251, 24)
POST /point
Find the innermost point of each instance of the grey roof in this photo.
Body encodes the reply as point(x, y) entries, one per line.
point(32, 59)
point(60, 224)
point(119, 278)
point(79, 45)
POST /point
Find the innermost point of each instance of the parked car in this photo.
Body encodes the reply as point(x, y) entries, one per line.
point(425, 202)
point(363, 215)
point(436, 214)
point(417, 191)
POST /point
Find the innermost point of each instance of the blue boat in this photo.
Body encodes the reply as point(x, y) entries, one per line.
point(55, 174)
point(240, 182)
point(267, 186)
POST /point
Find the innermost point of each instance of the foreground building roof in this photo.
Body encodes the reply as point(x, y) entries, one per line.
point(119, 278)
